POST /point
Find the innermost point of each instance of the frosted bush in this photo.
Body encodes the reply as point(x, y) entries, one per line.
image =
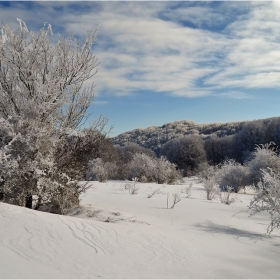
point(228, 197)
point(100, 170)
point(268, 198)
point(165, 171)
point(211, 188)
point(265, 156)
point(232, 174)
point(156, 191)
point(141, 166)
point(187, 190)
point(206, 172)
point(97, 170)
point(176, 199)
point(150, 169)
point(131, 186)
point(208, 177)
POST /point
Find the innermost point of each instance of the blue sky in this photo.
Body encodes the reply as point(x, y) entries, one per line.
point(168, 61)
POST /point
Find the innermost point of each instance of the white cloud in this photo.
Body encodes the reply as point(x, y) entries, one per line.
point(236, 95)
point(145, 45)
point(199, 15)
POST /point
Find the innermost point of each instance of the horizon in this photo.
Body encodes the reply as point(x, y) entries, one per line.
point(209, 62)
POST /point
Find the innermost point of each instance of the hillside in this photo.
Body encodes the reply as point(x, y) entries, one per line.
point(155, 136)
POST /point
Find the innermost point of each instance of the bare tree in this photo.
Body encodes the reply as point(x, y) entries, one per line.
point(176, 199)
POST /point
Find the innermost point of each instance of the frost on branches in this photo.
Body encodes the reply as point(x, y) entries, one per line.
point(44, 81)
point(268, 198)
point(149, 169)
point(42, 105)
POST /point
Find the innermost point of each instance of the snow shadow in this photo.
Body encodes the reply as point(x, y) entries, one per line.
point(237, 233)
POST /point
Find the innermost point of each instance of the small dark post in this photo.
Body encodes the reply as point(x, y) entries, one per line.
point(28, 201)
point(2, 181)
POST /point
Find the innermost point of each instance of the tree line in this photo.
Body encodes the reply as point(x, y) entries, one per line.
point(232, 140)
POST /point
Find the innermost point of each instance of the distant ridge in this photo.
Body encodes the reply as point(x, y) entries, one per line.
point(154, 137)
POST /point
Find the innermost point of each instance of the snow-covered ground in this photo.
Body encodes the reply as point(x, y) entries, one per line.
point(117, 235)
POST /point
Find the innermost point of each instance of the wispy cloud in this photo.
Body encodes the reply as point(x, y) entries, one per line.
point(179, 48)
point(236, 95)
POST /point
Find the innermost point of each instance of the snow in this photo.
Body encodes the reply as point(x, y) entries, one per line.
point(117, 235)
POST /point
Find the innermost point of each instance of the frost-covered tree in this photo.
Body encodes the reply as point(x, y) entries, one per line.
point(245, 140)
point(31, 169)
point(268, 198)
point(272, 131)
point(142, 167)
point(44, 81)
point(42, 105)
point(107, 151)
point(101, 171)
point(218, 149)
point(186, 152)
point(265, 156)
point(165, 172)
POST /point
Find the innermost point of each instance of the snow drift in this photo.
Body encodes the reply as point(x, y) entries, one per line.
point(117, 235)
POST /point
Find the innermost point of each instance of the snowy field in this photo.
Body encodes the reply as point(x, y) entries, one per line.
point(117, 235)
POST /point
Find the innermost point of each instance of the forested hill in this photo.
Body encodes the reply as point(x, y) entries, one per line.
point(155, 136)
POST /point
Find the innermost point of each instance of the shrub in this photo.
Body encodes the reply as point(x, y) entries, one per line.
point(268, 198)
point(227, 197)
point(232, 174)
point(206, 172)
point(165, 172)
point(211, 188)
point(100, 170)
point(176, 199)
point(131, 186)
point(150, 169)
point(187, 190)
point(127, 152)
point(208, 178)
point(265, 156)
point(156, 191)
point(141, 166)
